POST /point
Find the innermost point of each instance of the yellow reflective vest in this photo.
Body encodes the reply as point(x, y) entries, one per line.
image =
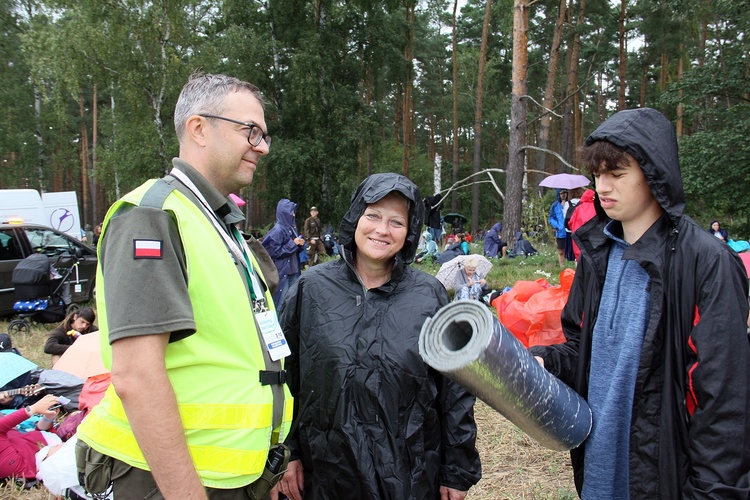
point(226, 412)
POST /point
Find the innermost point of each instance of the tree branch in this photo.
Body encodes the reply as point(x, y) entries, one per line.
point(553, 153)
point(548, 111)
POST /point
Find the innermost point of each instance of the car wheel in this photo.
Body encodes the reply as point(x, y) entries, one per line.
point(19, 326)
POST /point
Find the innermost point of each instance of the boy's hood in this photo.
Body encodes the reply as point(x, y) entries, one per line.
point(650, 138)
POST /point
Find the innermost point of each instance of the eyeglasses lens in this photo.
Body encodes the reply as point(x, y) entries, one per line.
point(255, 135)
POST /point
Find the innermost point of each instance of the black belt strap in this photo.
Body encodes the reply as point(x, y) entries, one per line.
point(272, 378)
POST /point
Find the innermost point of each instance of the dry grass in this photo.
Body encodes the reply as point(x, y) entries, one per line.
point(513, 465)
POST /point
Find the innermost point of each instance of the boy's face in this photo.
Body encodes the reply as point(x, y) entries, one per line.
point(624, 193)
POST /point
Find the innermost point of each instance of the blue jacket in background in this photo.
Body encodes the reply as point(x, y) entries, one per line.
point(557, 218)
point(280, 245)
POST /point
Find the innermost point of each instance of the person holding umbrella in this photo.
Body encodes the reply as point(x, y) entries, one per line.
point(557, 221)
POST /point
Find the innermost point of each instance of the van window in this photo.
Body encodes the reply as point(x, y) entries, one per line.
point(47, 241)
point(9, 249)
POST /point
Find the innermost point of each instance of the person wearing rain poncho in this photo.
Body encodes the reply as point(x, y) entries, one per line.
point(374, 421)
point(430, 250)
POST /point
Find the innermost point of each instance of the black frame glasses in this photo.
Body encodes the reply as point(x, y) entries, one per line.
point(255, 134)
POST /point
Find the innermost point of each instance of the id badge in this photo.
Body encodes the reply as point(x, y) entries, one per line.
point(273, 336)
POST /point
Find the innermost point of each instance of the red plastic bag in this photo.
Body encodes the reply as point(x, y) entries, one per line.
point(531, 310)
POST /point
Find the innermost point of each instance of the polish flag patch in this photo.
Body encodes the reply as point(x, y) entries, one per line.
point(147, 249)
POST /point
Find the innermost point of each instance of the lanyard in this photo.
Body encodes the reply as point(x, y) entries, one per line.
point(237, 245)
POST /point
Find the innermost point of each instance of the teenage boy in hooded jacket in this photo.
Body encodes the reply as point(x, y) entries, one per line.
point(655, 329)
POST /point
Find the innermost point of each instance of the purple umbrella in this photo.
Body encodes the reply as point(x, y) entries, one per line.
point(565, 181)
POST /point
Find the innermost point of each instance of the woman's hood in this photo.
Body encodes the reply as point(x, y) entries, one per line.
point(373, 189)
point(650, 138)
point(285, 210)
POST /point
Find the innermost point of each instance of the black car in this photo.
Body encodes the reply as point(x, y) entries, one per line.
point(18, 241)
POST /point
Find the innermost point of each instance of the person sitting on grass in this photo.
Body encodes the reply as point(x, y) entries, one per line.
point(469, 283)
point(77, 323)
point(430, 250)
point(494, 246)
point(18, 449)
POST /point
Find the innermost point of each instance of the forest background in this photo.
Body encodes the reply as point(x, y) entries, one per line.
point(497, 93)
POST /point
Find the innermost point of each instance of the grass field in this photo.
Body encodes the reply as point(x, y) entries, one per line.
point(513, 465)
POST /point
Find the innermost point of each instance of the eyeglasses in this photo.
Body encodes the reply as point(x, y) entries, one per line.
point(254, 133)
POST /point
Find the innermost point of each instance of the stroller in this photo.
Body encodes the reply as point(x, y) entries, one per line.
point(42, 290)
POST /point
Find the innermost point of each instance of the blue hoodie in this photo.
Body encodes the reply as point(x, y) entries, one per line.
point(557, 217)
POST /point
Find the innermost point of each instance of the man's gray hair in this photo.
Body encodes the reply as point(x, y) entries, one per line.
point(206, 94)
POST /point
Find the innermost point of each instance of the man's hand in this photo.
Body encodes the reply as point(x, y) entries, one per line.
point(292, 483)
point(540, 360)
point(451, 494)
point(139, 377)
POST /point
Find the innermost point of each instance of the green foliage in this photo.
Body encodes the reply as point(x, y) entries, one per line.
point(716, 171)
point(335, 82)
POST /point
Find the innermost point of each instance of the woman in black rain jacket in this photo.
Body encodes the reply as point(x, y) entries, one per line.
point(373, 420)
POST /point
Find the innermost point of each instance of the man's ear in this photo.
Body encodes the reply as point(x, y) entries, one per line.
point(195, 129)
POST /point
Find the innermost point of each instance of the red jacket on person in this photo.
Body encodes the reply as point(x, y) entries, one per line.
point(583, 213)
point(18, 449)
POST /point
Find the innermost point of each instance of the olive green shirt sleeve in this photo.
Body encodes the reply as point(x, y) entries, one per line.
point(145, 296)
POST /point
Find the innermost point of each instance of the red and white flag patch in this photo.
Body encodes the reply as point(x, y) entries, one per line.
point(147, 249)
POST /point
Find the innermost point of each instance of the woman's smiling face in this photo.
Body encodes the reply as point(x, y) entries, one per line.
point(382, 229)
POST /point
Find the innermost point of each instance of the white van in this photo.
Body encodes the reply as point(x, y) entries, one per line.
point(56, 210)
point(22, 205)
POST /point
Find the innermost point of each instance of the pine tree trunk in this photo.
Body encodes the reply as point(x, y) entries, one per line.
point(680, 107)
point(623, 55)
point(568, 141)
point(549, 93)
point(455, 108)
point(408, 86)
point(84, 162)
point(477, 164)
point(514, 184)
point(94, 191)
